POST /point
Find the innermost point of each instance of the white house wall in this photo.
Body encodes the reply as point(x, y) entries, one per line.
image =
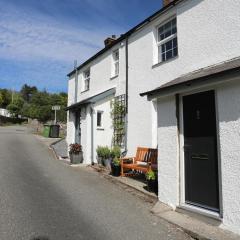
point(100, 75)
point(229, 125)
point(100, 80)
point(102, 135)
point(208, 33)
point(168, 163)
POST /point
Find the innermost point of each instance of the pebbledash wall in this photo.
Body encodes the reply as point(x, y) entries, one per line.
point(101, 79)
point(208, 33)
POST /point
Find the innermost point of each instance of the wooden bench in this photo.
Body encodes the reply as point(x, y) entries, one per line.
point(145, 159)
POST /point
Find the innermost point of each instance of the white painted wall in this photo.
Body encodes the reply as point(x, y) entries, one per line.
point(103, 135)
point(228, 117)
point(168, 163)
point(208, 33)
point(229, 133)
point(70, 128)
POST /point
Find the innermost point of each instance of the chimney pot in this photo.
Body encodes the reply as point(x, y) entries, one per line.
point(166, 2)
point(110, 40)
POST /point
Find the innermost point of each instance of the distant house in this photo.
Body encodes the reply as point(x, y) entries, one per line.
point(4, 112)
point(186, 59)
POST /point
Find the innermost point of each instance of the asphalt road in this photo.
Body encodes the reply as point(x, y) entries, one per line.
point(45, 199)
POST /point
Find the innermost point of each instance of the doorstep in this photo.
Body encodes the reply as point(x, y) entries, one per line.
point(134, 184)
point(194, 224)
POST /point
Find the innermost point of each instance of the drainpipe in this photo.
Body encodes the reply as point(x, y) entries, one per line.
point(126, 100)
point(76, 81)
point(92, 135)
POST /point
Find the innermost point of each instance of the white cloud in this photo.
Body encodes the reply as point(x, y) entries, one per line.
point(23, 37)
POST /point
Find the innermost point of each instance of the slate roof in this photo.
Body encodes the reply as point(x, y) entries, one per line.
point(210, 73)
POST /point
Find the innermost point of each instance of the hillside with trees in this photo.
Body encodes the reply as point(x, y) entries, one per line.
point(32, 103)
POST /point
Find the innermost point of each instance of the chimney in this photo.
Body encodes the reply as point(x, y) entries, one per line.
point(108, 41)
point(166, 2)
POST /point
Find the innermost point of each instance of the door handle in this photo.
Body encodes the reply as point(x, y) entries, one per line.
point(199, 156)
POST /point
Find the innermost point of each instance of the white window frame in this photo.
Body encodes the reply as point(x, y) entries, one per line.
point(165, 40)
point(115, 63)
point(86, 80)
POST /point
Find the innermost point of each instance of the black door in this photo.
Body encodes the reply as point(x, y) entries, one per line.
point(200, 149)
point(78, 127)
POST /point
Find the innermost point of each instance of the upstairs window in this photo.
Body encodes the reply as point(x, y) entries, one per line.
point(167, 41)
point(115, 70)
point(86, 79)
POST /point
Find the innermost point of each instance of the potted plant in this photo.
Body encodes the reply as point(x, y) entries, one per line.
point(115, 163)
point(116, 167)
point(100, 154)
point(76, 154)
point(104, 155)
point(152, 181)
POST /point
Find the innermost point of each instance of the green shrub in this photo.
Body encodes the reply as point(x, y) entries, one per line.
point(150, 175)
point(116, 161)
point(116, 152)
point(103, 152)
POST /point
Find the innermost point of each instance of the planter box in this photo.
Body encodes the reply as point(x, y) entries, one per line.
point(76, 158)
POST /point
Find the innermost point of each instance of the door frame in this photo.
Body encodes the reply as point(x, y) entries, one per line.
point(182, 202)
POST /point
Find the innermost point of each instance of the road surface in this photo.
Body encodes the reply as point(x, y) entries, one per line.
point(45, 199)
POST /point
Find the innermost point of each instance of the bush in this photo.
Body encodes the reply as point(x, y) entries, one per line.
point(116, 152)
point(150, 175)
point(103, 152)
point(116, 162)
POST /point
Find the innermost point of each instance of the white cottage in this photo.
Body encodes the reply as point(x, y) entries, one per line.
point(185, 58)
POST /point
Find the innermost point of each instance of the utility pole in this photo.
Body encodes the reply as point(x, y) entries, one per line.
point(12, 94)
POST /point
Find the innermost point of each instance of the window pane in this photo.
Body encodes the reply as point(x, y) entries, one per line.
point(167, 30)
point(87, 84)
point(174, 42)
point(163, 48)
point(99, 119)
point(116, 68)
point(169, 45)
point(169, 54)
point(174, 30)
point(175, 52)
point(168, 33)
point(163, 57)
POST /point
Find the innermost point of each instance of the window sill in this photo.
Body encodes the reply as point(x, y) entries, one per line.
point(100, 129)
point(85, 91)
point(111, 78)
point(161, 63)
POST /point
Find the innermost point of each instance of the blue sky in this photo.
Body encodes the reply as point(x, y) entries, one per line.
point(39, 40)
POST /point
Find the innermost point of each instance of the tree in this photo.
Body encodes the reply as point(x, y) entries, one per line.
point(6, 97)
point(16, 106)
point(1, 99)
point(27, 92)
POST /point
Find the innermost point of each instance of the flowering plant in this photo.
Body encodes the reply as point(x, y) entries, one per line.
point(75, 148)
